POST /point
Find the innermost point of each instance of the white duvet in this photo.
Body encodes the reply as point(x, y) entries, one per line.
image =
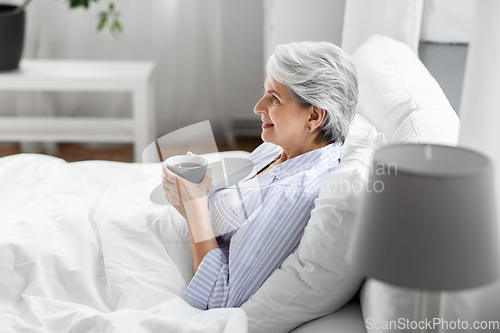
point(82, 249)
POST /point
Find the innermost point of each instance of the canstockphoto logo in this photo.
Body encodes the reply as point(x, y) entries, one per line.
point(347, 181)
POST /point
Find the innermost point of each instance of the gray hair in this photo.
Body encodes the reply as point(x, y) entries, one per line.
point(319, 74)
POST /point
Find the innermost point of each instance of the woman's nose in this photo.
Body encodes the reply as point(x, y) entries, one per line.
point(259, 107)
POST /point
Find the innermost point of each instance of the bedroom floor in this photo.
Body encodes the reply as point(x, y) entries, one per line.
point(73, 152)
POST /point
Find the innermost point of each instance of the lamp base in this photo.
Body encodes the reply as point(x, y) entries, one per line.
point(426, 310)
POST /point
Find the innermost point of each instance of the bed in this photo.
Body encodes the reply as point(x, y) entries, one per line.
point(83, 248)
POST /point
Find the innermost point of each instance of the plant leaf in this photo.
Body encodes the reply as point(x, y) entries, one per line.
point(102, 22)
point(78, 3)
point(118, 25)
point(74, 3)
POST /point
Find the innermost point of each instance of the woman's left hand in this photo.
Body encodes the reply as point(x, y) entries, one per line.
point(183, 194)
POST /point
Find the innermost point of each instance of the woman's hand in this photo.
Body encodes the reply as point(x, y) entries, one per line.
point(190, 200)
point(170, 190)
point(184, 195)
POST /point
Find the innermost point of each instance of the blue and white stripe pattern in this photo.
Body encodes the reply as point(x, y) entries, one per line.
point(258, 224)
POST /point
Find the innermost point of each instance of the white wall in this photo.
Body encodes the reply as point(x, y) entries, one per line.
point(180, 39)
point(242, 75)
point(398, 19)
point(447, 21)
point(297, 20)
point(252, 30)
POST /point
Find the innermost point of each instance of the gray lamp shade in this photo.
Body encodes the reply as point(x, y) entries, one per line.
point(428, 219)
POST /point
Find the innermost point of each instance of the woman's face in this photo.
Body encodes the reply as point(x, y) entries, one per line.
point(284, 121)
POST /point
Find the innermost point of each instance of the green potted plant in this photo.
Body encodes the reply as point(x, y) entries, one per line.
point(12, 23)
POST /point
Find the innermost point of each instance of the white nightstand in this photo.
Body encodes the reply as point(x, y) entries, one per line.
point(69, 75)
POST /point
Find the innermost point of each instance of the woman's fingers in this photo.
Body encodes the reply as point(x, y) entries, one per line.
point(168, 175)
point(170, 187)
point(179, 191)
point(171, 196)
point(171, 190)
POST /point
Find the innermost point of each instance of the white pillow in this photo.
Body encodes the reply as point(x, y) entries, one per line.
point(315, 280)
point(393, 83)
point(360, 128)
point(429, 127)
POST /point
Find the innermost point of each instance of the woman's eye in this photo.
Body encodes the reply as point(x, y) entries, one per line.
point(275, 99)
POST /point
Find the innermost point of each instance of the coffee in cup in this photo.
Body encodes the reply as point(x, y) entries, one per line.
point(190, 167)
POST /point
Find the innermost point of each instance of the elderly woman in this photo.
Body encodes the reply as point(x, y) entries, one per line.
point(308, 104)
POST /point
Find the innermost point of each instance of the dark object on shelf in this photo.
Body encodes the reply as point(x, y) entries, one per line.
point(11, 37)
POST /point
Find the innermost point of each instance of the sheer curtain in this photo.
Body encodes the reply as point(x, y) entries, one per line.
point(182, 37)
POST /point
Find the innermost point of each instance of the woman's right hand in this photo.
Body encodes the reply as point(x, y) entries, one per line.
point(171, 191)
point(183, 195)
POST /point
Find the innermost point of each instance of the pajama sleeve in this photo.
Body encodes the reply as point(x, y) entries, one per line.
point(258, 248)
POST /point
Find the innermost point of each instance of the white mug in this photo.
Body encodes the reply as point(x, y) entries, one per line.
point(190, 167)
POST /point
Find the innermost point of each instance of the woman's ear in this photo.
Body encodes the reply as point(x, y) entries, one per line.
point(316, 118)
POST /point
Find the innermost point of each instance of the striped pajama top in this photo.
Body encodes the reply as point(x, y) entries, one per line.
point(258, 223)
